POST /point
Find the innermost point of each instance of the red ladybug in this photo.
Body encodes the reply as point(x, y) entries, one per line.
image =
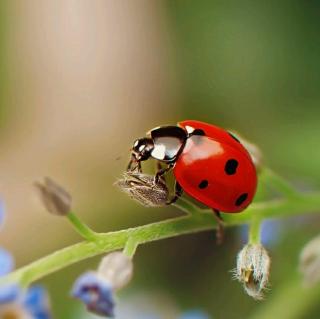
point(209, 163)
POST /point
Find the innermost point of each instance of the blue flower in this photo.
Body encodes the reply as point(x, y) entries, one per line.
point(36, 303)
point(6, 262)
point(16, 302)
point(194, 314)
point(9, 293)
point(96, 293)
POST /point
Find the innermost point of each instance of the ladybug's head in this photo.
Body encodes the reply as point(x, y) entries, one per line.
point(142, 148)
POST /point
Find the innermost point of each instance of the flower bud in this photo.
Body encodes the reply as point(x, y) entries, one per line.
point(117, 269)
point(143, 188)
point(55, 198)
point(309, 264)
point(253, 267)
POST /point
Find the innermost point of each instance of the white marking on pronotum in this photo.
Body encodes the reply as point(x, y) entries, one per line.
point(189, 129)
point(159, 152)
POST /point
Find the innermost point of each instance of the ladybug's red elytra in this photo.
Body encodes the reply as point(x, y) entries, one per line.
point(209, 163)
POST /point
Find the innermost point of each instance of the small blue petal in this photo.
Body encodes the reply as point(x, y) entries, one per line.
point(9, 293)
point(6, 262)
point(95, 293)
point(36, 302)
point(194, 314)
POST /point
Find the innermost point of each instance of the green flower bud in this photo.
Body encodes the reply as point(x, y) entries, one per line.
point(117, 269)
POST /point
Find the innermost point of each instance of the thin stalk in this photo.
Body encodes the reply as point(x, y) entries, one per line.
point(279, 183)
point(254, 230)
point(82, 229)
point(131, 247)
point(186, 206)
point(107, 242)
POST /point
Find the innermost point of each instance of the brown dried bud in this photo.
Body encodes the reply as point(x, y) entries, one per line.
point(143, 188)
point(55, 198)
point(310, 262)
point(117, 269)
point(253, 267)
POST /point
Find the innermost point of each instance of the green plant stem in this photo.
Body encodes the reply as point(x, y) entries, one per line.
point(131, 246)
point(187, 207)
point(81, 228)
point(255, 230)
point(278, 183)
point(106, 242)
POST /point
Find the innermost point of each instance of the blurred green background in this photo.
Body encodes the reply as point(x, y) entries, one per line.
point(82, 79)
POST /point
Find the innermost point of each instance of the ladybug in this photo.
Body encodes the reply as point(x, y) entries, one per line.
point(209, 163)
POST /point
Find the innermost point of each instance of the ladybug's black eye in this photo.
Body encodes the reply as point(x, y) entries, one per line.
point(241, 199)
point(203, 184)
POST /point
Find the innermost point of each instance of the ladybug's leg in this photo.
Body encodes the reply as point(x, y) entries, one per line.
point(178, 192)
point(161, 172)
point(220, 229)
point(158, 167)
point(131, 166)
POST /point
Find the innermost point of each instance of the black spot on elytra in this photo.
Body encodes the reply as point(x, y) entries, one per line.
point(231, 166)
point(203, 184)
point(234, 137)
point(199, 132)
point(241, 199)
